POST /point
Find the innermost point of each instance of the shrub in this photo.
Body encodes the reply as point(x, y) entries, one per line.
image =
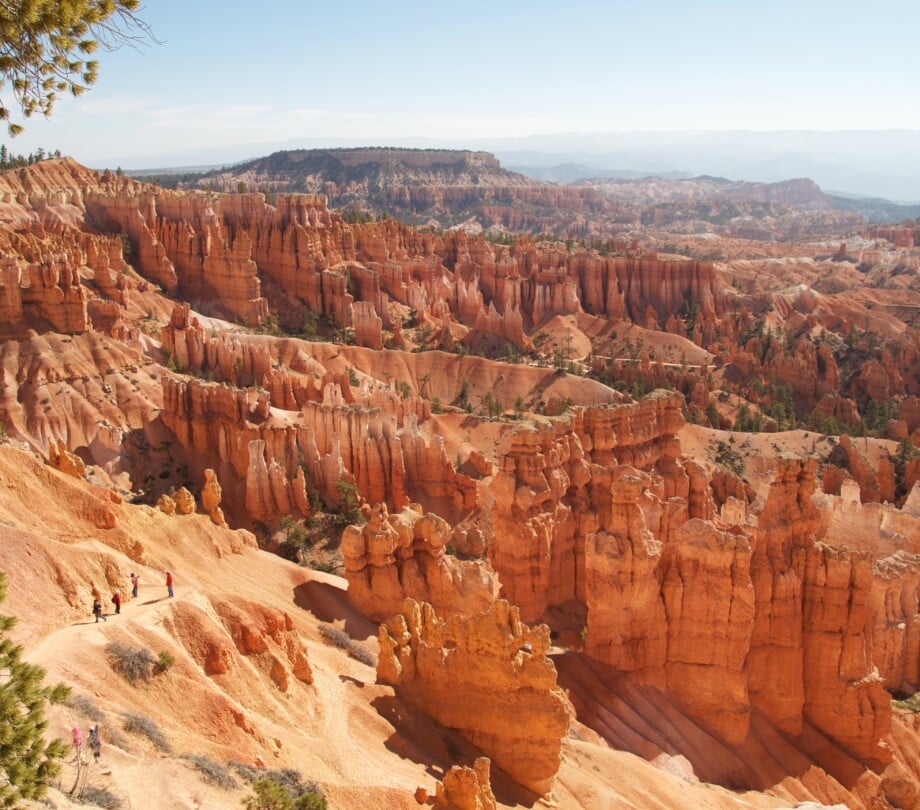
point(268, 795)
point(343, 641)
point(907, 703)
point(172, 362)
point(325, 566)
point(144, 726)
point(295, 536)
point(86, 707)
point(212, 772)
point(729, 457)
point(285, 790)
point(245, 771)
point(135, 663)
point(99, 797)
point(164, 661)
point(350, 513)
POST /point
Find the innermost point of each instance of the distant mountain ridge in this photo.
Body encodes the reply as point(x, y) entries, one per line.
point(441, 187)
point(448, 188)
point(869, 163)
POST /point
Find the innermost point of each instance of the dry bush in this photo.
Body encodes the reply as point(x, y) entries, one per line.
point(135, 663)
point(211, 771)
point(139, 724)
point(341, 639)
point(99, 797)
point(85, 705)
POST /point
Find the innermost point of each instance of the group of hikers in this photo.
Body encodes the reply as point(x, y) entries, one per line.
point(95, 744)
point(116, 597)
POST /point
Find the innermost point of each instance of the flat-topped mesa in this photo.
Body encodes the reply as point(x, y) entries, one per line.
point(491, 661)
point(392, 557)
point(548, 492)
point(414, 158)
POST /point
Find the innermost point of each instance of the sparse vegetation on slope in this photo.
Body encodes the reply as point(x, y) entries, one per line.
point(28, 762)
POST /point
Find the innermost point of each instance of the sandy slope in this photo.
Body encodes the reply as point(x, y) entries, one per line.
point(364, 746)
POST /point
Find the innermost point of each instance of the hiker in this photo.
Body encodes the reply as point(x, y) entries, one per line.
point(135, 581)
point(77, 739)
point(95, 745)
point(116, 600)
point(169, 584)
point(97, 609)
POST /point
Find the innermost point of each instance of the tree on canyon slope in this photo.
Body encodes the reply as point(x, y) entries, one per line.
point(27, 762)
point(45, 47)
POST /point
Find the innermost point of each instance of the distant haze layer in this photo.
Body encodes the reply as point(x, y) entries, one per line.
point(873, 164)
point(883, 163)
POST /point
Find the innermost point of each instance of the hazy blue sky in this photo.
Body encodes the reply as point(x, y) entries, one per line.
point(233, 73)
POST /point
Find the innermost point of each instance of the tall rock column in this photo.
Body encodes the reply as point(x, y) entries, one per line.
point(709, 599)
point(844, 695)
point(488, 677)
point(627, 621)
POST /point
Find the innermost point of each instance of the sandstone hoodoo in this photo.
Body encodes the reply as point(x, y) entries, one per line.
point(612, 515)
point(393, 557)
point(489, 660)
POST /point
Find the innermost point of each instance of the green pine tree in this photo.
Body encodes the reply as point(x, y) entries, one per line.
point(27, 762)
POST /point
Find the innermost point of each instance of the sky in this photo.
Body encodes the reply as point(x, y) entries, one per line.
point(230, 80)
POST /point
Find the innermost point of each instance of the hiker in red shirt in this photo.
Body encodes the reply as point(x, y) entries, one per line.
point(169, 584)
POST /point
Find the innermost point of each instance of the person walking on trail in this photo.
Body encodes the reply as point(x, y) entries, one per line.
point(135, 581)
point(77, 739)
point(116, 600)
point(97, 609)
point(95, 744)
point(169, 584)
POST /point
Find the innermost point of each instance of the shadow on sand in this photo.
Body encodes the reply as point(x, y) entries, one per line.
point(329, 604)
point(417, 737)
point(648, 721)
